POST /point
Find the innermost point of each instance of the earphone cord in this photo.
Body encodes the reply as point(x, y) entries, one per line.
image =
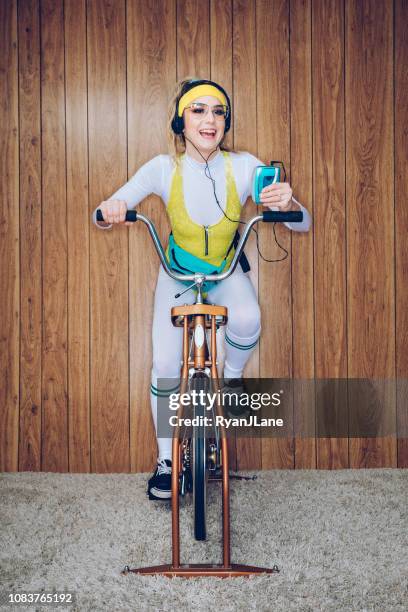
point(236, 220)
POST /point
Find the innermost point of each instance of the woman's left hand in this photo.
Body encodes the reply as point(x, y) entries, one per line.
point(277, 194)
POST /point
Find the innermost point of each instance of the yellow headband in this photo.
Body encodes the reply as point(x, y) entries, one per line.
point(197, 92)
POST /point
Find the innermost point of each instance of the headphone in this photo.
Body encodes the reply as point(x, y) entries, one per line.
point(177, 123)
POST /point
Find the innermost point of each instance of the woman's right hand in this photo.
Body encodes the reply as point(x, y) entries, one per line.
point(114, 211)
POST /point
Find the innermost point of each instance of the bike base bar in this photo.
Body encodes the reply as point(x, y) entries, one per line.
point(196, 570)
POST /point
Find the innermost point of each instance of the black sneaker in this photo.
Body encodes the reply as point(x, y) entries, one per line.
point(233, 407)
point(159, 485)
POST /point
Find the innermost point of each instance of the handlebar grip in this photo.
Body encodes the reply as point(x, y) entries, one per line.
point(292, 216)
point(131, 215)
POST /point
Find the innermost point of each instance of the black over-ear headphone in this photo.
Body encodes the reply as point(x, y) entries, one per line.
point(177, 123)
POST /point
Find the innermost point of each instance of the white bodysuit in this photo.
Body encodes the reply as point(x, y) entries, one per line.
point(236, 292)
point(155, 177)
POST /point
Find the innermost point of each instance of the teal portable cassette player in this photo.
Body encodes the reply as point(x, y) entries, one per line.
point(264, 176)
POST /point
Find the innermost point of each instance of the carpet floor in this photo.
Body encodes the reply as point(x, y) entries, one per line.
point(340, 539)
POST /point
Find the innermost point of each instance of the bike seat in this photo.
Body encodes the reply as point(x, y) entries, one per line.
point(208, 310)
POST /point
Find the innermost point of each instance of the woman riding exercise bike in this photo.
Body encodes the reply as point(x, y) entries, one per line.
point(204, 186)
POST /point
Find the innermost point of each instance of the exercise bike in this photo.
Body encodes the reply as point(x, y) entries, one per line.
point(201, 456)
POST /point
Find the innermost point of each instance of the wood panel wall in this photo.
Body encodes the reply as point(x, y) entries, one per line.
point(320, 84)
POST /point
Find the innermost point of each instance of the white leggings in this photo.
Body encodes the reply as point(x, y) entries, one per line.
point(241, 335)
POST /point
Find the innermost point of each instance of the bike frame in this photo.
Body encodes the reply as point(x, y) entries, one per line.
point(193, 319)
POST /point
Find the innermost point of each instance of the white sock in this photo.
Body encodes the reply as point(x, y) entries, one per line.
point(231, 373)
point(237, 352)
point(164, 444)
point(160, 457)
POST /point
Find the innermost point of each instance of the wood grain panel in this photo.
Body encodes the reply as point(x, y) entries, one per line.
point(401, 224)
point(221, 44)
point(193, 39)
point(370, 221)
point(273, 127)
point(245, 139)
point(109, 265)
point(30, 235)
point(320, 84)
point(150, 84)
point(330, 227)
point(221, 72)
point(194, 60)
point(54, 240)
point(221, 49)
point(9, 235)
point(301, 155)
point(78, 234)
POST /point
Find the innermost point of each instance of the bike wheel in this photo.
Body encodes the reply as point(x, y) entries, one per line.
point(199, 381)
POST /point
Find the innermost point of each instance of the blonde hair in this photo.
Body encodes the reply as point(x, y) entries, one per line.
point(176, 142)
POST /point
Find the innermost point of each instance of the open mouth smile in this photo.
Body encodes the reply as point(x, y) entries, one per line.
point(208, 134)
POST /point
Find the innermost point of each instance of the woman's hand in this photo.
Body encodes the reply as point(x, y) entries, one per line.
point(114, 211)
point(279, 195)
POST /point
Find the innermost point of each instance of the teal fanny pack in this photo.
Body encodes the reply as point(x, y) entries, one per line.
point(183, 262)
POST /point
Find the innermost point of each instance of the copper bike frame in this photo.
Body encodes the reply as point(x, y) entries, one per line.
point(189, 317)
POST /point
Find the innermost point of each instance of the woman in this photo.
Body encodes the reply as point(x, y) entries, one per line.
point(204, 186)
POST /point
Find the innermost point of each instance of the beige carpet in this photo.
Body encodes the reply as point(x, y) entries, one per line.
point(340, 539)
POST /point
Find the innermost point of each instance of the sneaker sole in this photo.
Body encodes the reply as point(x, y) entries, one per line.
point(159, 494)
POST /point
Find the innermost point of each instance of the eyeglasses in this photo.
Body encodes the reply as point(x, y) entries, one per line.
point(199, 109)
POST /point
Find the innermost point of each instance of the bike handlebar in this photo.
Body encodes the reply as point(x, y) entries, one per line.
point(269, 216)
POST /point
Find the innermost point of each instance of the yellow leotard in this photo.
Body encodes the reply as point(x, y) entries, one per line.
point(210, 243)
